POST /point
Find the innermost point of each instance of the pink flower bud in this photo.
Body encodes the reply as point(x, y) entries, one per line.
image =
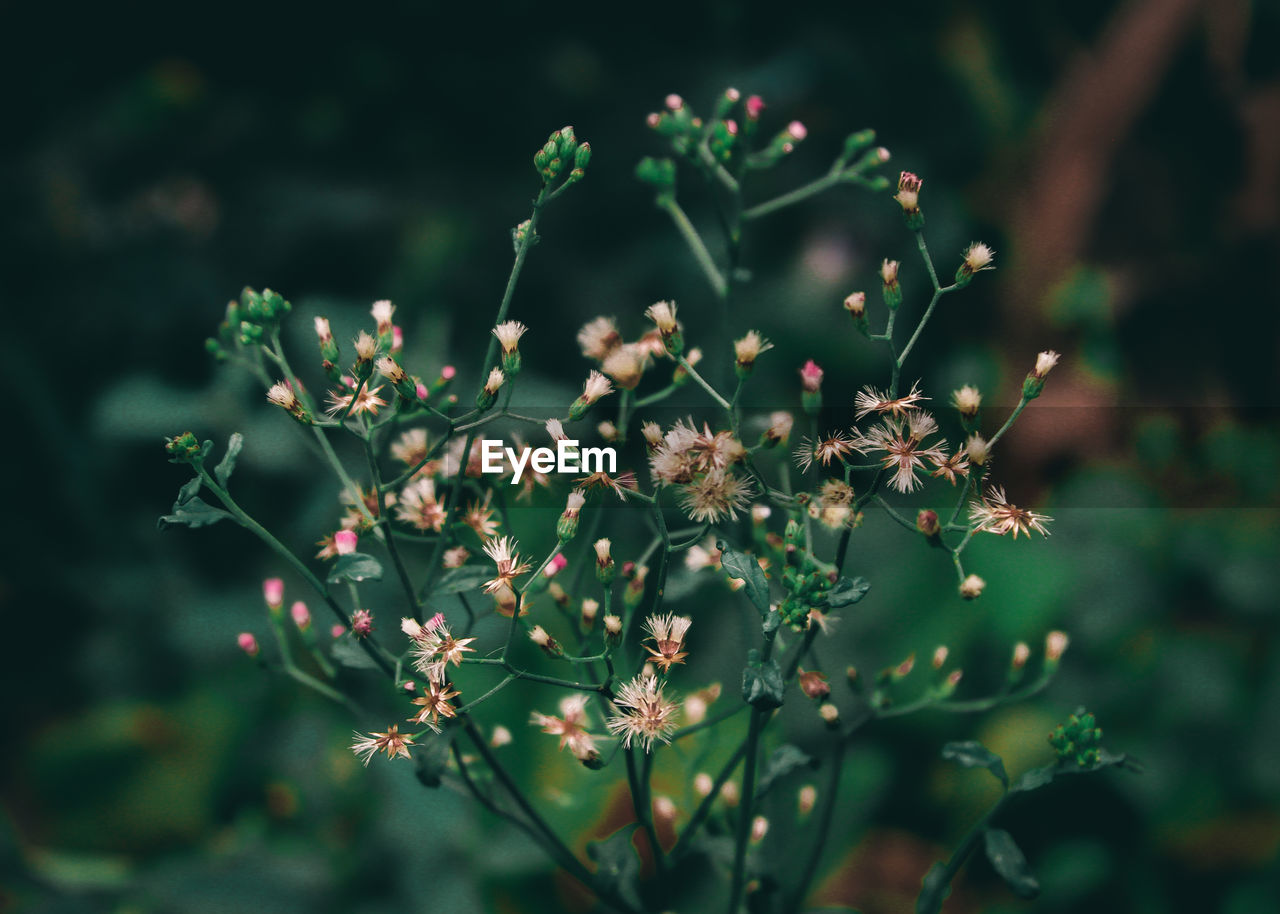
point(448, 372)
point(675, 102)
point(248, 643)
point(338, 630)
point(654, 119)
point(811, 376)
point(362, 623)
point(555, 566)
point(397, 338)
point(301, 615)
point(345, 541)
point(273, 592)
point(410, 686)
point(433, 623)
point(421, 390)
point(797, 130)
point(754, 105)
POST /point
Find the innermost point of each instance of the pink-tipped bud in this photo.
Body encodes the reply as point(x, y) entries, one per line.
point(664, 809)
point(555, 566)
point(814, 684)
point(674, 102)
point(301, 615)
point(248, 643)
point(409, 686)
point(362, 623)
point(939, 656)
point(448, 372)
point(1055, 645)
point(754, 105)
point(273, 592)
point(344, 541)
point(807, 799)
point(421, 390)
point(501, 737)
point(797, 131)
point(397, 338)
point(759, 828)
point(1021, 654)
point(653, 119)
point(811, 376)
point(337, 630)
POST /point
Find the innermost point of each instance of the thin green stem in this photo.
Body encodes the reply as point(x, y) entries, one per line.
point(804, 192)
point(702, 382)
point(696, 245)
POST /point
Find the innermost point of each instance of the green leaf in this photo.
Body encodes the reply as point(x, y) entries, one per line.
point(1034, 779)
point(228, 462)
point(847, 591)
point(618, 864)
point(744, 567)
point(431, 758)
point(934, 889)
point(972, 754)
point(462, 580)
point(1007, 859)
point(350, 654)
point(356, 567)
point(762, 684)
point(784, 760)
point(194, 512)
point(188, 492)
point(772, 620)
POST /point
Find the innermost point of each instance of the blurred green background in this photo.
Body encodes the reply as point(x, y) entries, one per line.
point(1123, 159)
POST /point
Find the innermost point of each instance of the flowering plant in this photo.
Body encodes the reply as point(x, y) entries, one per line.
point(770, 513)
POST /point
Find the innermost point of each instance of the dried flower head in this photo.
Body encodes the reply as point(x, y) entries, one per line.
point(836, 446)
point(570, 726)
point(644, 713)
point(869, 400)
point(503, 552)
point(392, 742)
point(994, 514)
point(419, 507)
point(667, 633)
point(902, 441)
point(366, 401)
point(434, 704)
point(716, 495)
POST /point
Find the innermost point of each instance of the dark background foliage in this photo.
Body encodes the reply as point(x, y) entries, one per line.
point(1123, 159)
